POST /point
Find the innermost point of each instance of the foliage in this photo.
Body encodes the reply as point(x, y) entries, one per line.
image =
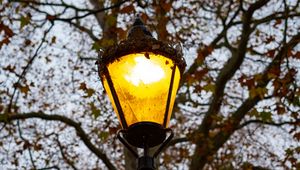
point(237, 108)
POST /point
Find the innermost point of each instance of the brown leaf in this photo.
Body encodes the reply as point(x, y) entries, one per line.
point(24, 89)
point(297, 136)
point(277, 22)
point(53, 40)
point(82, 86)
point(127, 9)
point(89, 92)
point(270, 39)
point(4, 41)
point(8, 32)
point(297, 55)
point(271, 53)
point(10, 68)
point(166, 6)
point(27, 42)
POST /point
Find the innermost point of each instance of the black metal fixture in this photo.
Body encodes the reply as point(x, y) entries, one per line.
point(141, 77)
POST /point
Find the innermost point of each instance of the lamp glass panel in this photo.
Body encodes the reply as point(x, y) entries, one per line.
point(142, 83)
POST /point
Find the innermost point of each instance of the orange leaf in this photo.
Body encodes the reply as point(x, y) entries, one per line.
point(8, 32)
point(166, 6)
point(24, 89)
point(297, 136)
point(82, 86)
point(127, 9)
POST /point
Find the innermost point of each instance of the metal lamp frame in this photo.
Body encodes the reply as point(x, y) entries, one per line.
point(142, 134)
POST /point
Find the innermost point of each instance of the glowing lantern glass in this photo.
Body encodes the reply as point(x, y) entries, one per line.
point(141, 77)
point(142, 87)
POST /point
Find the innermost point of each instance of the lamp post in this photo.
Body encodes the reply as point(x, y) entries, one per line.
point(141, 77)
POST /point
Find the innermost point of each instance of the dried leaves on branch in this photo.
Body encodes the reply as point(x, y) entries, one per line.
point(239, 93)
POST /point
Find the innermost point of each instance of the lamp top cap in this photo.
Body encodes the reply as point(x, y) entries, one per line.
point(138, 20)
point(138, 29)
point(139, 39)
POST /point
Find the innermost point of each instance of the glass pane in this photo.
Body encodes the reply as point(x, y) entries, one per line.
point(142, 82)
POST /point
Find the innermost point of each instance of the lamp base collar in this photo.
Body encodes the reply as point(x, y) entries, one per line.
point(145, 134)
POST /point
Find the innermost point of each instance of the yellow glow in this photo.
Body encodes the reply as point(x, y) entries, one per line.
point(142, 85)
point(144, 71)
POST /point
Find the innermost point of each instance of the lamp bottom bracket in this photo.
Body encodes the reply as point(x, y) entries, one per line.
point(145, 134)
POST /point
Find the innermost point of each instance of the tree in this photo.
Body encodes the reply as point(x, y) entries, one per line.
point(240, 91)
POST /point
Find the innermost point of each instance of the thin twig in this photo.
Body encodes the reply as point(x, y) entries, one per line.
point(26, 143)
point(69, 162)
point(27, 67)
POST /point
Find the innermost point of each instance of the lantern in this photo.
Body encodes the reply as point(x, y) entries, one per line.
point(141, 77)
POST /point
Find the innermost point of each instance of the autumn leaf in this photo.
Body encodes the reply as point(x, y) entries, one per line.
point(3, 117)
point(96, 46)
point(273, 73)
point(297, 136)
point(53, 40)
point(277, 22)
point(280, 110)
point(8, 32)
point(37, 147)
point(166, 6)
point(297, 55)
point(260, 91)
point(82, 86)
point(89, 91)
point(27, 42)
point(266, 116)
point(271, 53)
point(253, 113)
point(209, 87)
point(103, 135)
point(25, 20)
point(127, 9)
point(121, 33)
point(23, 88)
point(95, 111)
point(296, 101)
point(270, 39)
point(10, 68)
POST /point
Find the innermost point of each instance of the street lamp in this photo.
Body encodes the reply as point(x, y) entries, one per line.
point(141, 77)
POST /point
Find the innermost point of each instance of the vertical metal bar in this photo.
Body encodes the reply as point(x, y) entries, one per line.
point(115, 98)
point(169, 96)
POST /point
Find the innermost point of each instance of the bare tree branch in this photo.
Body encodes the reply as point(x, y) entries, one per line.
point(90, 12)
point(233, 122)
point(69, 162)
point(26, 144)
point(86, 30)
point(77, 126)
point(277, 124)
point(51, 168)
point(205, 147)
point(62, 4)
point(230, 68)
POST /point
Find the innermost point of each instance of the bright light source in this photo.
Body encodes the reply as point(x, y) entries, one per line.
point(144, 71)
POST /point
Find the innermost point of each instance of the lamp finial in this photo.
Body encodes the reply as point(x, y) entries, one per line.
point(138, 29)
